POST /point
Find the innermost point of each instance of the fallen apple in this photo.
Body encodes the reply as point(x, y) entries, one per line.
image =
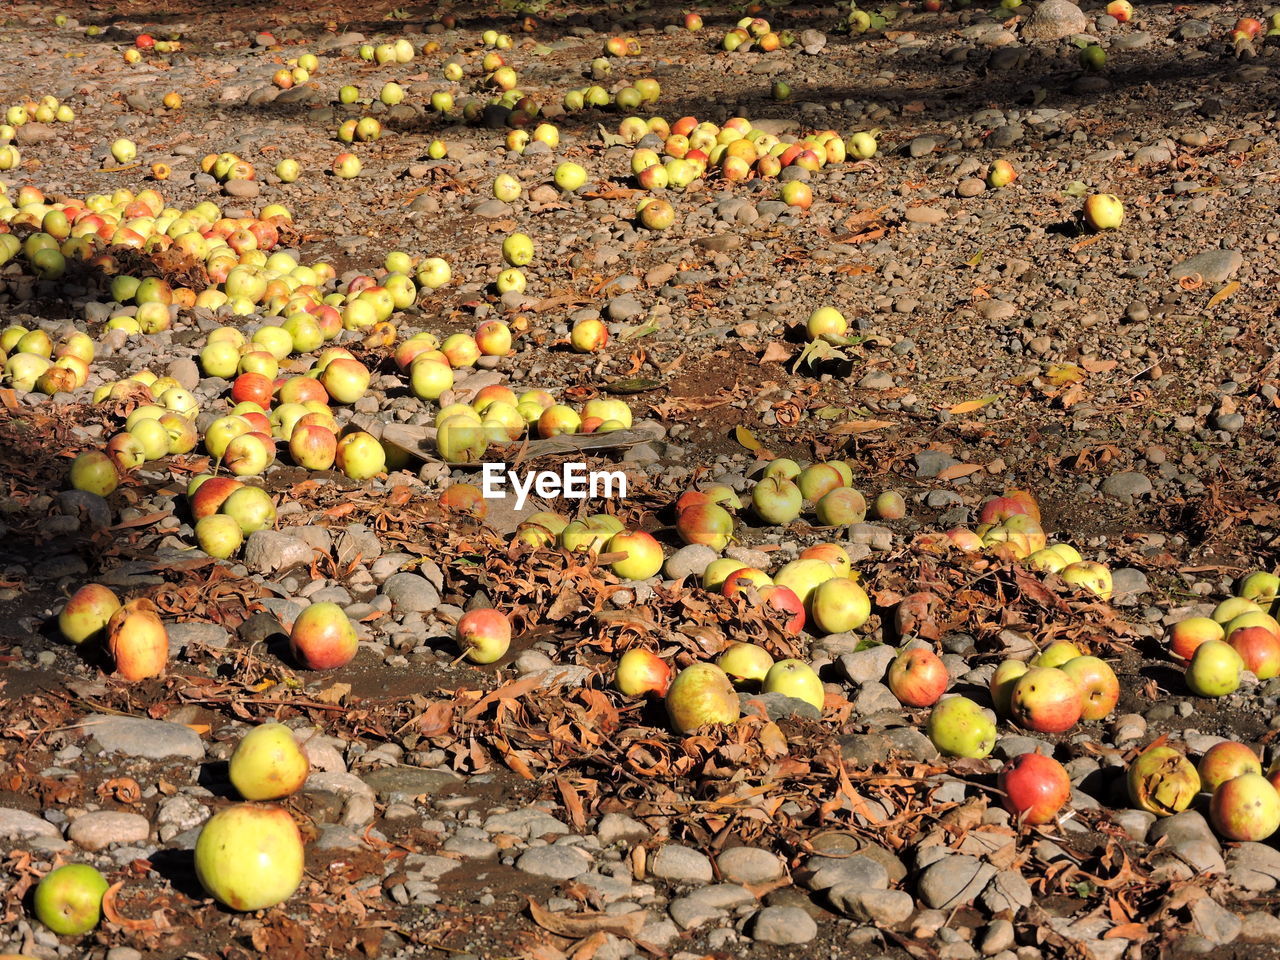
point(1099, 687)
point(268, 763)
point(1246, 808)
point(323, 637)
point(745, 663)
point(1225, 761)
point(87, 613)
point(917, 677)
point(1214, 669)
point(1035, 787)
point(958, 727)
point(642, 672)
point(795, 678)
point(1046, 700)
point(484, 635)
point(701, 695)
point(1162, 781)
point(838, 605)
point(68, 899)
point(249, 857)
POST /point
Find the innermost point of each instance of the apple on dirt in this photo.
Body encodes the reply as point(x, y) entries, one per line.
point(250, 856)
point(795, 678)
point(268, 763)
point(68, 899)
point(958, 727)
point(1245, 808)
point(323, 637)
point(87, 613)
point(484, 635)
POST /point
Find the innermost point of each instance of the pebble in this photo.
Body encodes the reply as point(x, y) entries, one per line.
point(680, 864)
point(783, 926)
point(100, 829)
point(557, 862)
point(269, 551)
point(689, 561)
point(953, 880)
point(749, 865)
point(20, 825)
point(927, 215)
point(411, 593)
point(1054, 20)
point(1126, 486)
point(147, 739)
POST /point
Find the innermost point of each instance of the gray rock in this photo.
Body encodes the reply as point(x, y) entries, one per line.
point(618, 827)
point(873, 698)
point(1213, 266)
point(187, 635)
point(777, 706)
point(1008, 890)
point(1135, 823)
point(557, 862)
point(953, 880)
point(1126, 486)
point(887, 908)
point(179, 814)
point(1127, 585)
point(1054, 20)
point(823, 873)
point(999, 937)
point(20, 825)
point(410, 593)
point(812, 41)
point(783, 926)
point(146, 739)
point(100, 829)
point(529, 823)
point(357, 796)
point(707, 904)
point(680, 864)
point(689, 561)
point(749, 865)
point(1015, 745)
point(911, 743)
point(930, 463)
point(267, 551)
point(1254, 867)
point(1260, 927)
point(1214, 922)
point(406, 784)
point(868, 666)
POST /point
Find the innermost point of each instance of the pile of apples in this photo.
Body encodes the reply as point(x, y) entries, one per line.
point(297, 70)
point(1244, 805)
point(737, 150)
point(753, 33)
point(626, 98)
point(31, 361)
point(1241, 634)
point(48, 110)
point(133, 633)
point(398, 51)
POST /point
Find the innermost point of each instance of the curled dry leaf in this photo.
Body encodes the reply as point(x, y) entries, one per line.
point(579, 925)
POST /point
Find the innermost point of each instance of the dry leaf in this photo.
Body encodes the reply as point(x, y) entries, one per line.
point(968, 406)
point(579, 925)
point(1226, 292)
point(957, 470)
point(776, 352)
point(334, 694)
point(854, 427)
point(746, 438)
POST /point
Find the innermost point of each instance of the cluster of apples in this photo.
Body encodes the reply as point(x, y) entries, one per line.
point(754, 33)
point(47, 110)
point(1244, 805)
point(31, 361)
point(497, 417)
point(1009, 529)
point(1050, 694)
point(227, 510)
point(132, 632)
point(226, 166)
point(1241, 634)
point(297, 70)
point(146, 43)
point(737, 150)
point(161, 426)
point(1250, 28)
point(399, 50)
point(626, 97)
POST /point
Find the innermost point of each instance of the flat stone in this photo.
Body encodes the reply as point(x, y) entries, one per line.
point(707, 904)
point(406, 784)
point(100, 829)
point(930, 463)
point(783, 926)
point(928, 215)
point(411, 593)
point(680, 864)
point(777, 706)
point(557, 862)
point(886, 908)
point(20, 825)
point(823, 873)
point(267, 551)
point(1215, 922)
point(1127, 585)
point(1213, 266)
point(147, 739)
point(1126, 486)
point(527, 824)
point(618, 827)
point(1260, 927)
point(186, 635)
point(689, 561)
point(953, 880)
point(1008, 890)
point(1054, 20)
point(749, 865)
point(868, 666)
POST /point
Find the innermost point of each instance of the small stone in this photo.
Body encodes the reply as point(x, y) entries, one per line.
point(868, 666)
point(930, 463)
point(269, 551)
point(1126, 486)
point(777, 706)
point(953, 880)
point(927, 215)
point(618, 827)
point(783, 926)
point(887, 908)
point(1008, 890)
point(1127, 585)
point(411, 593)
point(689, 561)
point(749, 865)
point(1054, 20)
point(680, 864)
point(100, 829)
point(1213, 266)
point(20, 825)
point(999, 937)
point(146, 739)
point(557, 862)
point(1214, 922)
point(970, 187)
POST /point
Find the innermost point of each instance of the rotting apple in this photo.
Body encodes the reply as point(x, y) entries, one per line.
point(138, 641)
point(1246, 808)
point(1162, 781)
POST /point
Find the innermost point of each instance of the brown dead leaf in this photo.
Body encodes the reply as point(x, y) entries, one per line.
point(855, 427)
point(957, 470)
point(334, 693)
point(1228, 291)
point(580, 925)
point(776, 352)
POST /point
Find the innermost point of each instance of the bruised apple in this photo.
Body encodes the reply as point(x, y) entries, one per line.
point(1225, 761)
point(958, 727)
point(1098, 685)
point(1246, 808)
point(249, 857)
point(138, 641)
point(701, 694)
point(87, 613)
point(1162, 781)
point(268, 763)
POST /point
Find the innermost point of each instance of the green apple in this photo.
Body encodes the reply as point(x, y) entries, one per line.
point(958, 727)
point(68, 900)
point(1214, 670)
point(795, 678)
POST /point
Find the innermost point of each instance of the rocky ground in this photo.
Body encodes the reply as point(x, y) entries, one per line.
point(1128, 379)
